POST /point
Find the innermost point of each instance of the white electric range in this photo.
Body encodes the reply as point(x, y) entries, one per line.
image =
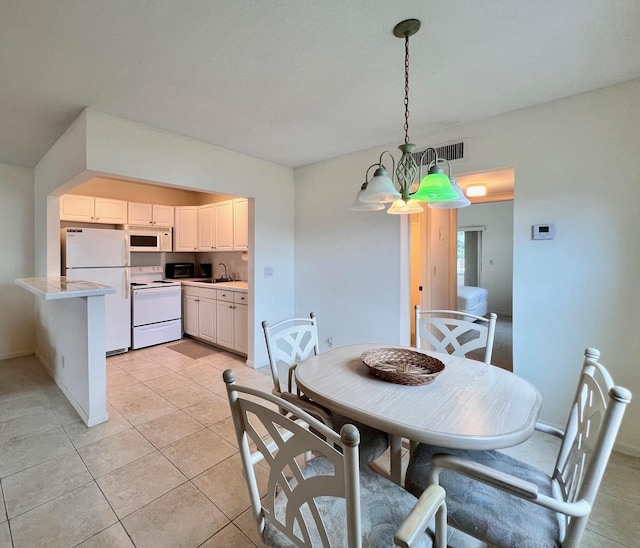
point(156, 307)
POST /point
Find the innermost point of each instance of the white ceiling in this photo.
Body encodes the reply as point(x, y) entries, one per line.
point(297, 81)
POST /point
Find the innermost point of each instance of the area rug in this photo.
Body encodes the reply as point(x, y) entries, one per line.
point(193, 349)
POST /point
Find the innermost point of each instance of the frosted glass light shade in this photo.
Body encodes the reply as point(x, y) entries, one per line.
point(380, 189)
point(359, 205)
point(400, 207)
point(435, 187)
point(461, 201)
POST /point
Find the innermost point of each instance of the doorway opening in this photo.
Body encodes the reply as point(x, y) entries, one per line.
point(469, 256)
point(479, 239)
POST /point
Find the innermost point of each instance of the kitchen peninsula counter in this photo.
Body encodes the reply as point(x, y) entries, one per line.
point(72, 313)
point(62, 287)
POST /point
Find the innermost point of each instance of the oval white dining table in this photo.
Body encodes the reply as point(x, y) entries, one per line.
point(470, 405)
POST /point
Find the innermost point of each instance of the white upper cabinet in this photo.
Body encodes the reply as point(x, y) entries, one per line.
point(206, 228)
point(87, 209)
point(240, 224)
point(220, 226)
point(77, 208)
point(186, 229)
point(224, 225)
point(150, 214)
point(162, 215)
point(110, 211)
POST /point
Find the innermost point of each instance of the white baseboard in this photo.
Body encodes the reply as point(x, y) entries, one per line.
point(17, 354)
point(72, 400)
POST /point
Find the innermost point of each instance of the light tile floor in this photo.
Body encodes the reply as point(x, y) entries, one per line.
point(164, 471)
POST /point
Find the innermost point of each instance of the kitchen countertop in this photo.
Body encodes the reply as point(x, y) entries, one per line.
point(62, 287)
point(193, 282)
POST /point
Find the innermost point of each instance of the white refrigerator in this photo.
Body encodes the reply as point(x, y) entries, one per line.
point(102, 256)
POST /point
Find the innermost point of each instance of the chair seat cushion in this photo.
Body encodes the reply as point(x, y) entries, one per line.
point(384, 506)
point(372, 442)
point(484, 512)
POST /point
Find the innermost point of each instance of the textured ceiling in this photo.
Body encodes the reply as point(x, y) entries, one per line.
point(297, 81)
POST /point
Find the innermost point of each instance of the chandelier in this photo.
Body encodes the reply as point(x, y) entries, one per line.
point(435, 187)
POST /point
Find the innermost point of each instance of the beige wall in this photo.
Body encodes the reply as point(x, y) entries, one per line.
point(98, 145)
point(131, 191)
point(577, 165)
point(16, 242)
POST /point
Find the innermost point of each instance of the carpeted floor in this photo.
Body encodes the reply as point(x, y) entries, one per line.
point(193, 349)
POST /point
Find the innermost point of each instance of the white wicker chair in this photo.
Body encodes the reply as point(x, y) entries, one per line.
point(292, 341)
point(506, 502)
point(329, 500)
point(452, 332)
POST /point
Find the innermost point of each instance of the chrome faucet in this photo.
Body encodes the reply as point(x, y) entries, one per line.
point(225, 270)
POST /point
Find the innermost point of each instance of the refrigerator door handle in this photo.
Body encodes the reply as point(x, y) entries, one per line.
point(127, 253)
point(127, 285)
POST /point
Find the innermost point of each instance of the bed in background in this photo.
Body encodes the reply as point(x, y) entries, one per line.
point(472, 300)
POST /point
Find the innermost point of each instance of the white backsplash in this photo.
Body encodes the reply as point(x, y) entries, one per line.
point(232, 260)
point(236, 267)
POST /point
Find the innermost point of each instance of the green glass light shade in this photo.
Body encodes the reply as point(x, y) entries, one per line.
point(435, 187)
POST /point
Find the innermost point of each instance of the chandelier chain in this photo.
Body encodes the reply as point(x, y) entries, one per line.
point(406, 89)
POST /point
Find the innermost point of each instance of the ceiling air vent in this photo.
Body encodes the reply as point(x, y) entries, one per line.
point(453, 151)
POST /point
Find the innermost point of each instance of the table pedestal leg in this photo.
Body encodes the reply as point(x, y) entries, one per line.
point(396, 459)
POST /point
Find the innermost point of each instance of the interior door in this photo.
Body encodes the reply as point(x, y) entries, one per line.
point(437, 259)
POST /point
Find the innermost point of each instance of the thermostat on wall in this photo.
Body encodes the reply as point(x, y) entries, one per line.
point(543, 232)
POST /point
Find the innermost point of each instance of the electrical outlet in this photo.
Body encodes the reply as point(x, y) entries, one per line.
point(268, 272)
point(330, 342)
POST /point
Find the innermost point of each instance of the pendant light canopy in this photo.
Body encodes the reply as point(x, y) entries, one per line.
point(381, 189)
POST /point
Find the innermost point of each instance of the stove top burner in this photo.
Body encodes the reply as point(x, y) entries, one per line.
point(147, 277)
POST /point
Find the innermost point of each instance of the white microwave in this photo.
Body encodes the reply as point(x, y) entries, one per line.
point(149, 238)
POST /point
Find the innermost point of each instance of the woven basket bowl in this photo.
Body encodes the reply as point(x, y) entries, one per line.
point(402, 366)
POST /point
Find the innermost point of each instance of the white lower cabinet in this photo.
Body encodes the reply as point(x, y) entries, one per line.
point(190, 312)
point(231, 314)
point(216, 316)
point(240, 321)
point(207, 319)
point(199, 313)
point(225, 327)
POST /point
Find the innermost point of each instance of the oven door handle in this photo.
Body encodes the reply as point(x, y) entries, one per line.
point(141, 292)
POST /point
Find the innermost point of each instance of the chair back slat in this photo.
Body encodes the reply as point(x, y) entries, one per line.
point(290, 342)
point(293, 500)
point(453, 332)
point(592, 427)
